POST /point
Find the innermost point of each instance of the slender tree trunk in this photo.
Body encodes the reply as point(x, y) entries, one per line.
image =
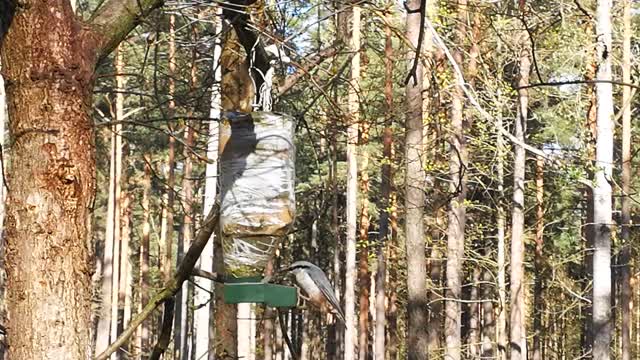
point(52, 180)
point(379, 350)
point(501, 326)
point(458, 159)
point(350, 333)
point(202, 299)
point(602, 190)
point(518, 343)
point(144, 255)
point(104, 324)
point(117, 258)
point(414, 203)
point(488, 316)
point(538, 304)
point(625, 255)
point(124, 292)
point(363, 261)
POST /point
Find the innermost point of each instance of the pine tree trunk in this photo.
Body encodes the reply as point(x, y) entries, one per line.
point(414, 202)
point(518, 342)
point(538, 305)
point(488, 315)
point(117, 179)
point(350, 334)
point(379, 350)
point(602, 206)
point(363, 261)
point(625, 255)
point(458, 159)
point(144, 256)
point(52, 181)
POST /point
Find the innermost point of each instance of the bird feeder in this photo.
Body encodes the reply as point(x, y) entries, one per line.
point(257, 207)
point(254, 290)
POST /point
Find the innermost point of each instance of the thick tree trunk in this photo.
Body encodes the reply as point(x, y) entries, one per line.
point(52, 182)
point(350, 334)
point(518, 342)
point(457, 216)
point(415, 199)
point(602, 204)
point(538, 304)
point(625, 255)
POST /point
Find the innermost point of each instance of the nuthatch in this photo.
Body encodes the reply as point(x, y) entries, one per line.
point(315, 284)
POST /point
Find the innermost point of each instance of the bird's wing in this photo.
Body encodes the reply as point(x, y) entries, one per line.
point(329, 294)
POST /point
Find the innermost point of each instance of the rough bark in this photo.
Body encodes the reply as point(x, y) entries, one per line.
point(518, 338)
point(625, 254)
point(602, 203)
point(50, 59)
point(414, 199)
point(538, 304)
point(52, 181)
point(350, 334)
point(457, 216)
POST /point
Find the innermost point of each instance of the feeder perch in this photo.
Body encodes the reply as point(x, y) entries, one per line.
point(253, 290)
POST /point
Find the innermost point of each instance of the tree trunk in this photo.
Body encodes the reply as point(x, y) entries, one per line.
point(364, 283)
point(488, 318)
point(457, 216)
point(104, 324)
point(202, 299)
point(518, 343)
point(52, 182)
point(144, 256)
point(625, 255)
point(538, 305)
point(117, 180)
point(414, 203)
point(379, 350)
point(350, 334)
point(501, 326)
point(602, 206)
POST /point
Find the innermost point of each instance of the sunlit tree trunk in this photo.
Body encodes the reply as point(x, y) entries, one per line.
point(415, 199)
point(602, 206)
point(350, 334)
point(104, 323)
point(518, 338)
point(52, 181)
point(203, 312)
point(625, 256)
point(458, 159)
point(117, 180)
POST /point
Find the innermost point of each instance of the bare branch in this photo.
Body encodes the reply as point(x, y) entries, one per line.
point(115, 19)
point(304, 69)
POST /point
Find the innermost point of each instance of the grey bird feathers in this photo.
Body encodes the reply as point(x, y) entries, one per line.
point(317, 287)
